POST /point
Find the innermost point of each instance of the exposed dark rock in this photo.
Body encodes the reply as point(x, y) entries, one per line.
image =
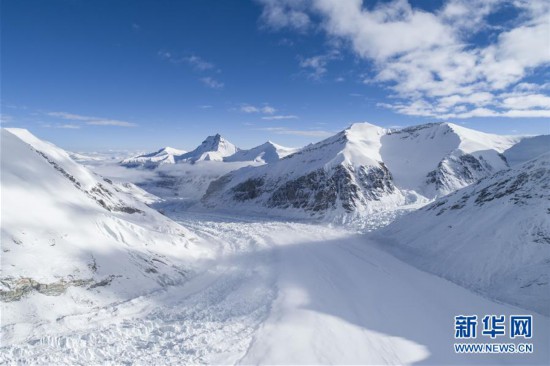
point(321, 190)
point(216, 186)
point(17, 288)
point(248, 189)
point(465, 168)
point(376, 181)
point(507, 187)
point(59, 168)
point(105, 282)
point(311, 192)
point(101, 195)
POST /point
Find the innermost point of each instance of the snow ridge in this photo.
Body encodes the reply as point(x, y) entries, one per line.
point(268, 152)
point(366, 169)
point(152, 160)
point(84, 234)
point(492, 236)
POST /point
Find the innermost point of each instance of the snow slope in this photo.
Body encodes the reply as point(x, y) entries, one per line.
point(439, 158)
point(527, 149)
point(492, 237)
point(152, 160)
point(279, 293)
point(366, 169)
point(342, 174)
point(72, 240)
point(265, 153)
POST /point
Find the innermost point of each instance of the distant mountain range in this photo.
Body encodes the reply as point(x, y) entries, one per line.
point(213, 148)
point(165, 155)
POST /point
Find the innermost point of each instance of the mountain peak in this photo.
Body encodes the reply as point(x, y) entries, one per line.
point(216, 137)
point(268, 152)
point(214, 147)
point(165, 151)
point(362, 127)
point(213, 142)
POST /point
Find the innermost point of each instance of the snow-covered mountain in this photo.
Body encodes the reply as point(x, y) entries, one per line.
point(343, 173)
point(268, 152)
point(439, 158)
point(366, 168)
point(184, 177)
point(214, 148)
point(152, 160)
point(66, 231)
point(528, 148)
point(492, 237)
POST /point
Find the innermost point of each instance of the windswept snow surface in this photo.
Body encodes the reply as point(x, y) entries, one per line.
point(527, 149)
point(276, 293)
point(492, 237)
point(72, 241)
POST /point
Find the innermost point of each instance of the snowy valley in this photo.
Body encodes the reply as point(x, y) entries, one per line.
point(358, 249)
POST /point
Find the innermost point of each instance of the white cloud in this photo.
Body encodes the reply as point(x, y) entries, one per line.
point(166, 55)
point(268, 110)
point(270, 118)
point(279, 14)
point(212, 83)
point(316, 66)
point(249, 109)
point(386, 31)
point(195, 61)
point(198, 63)
point(111, 122)
point(4, 118)
point(265, 109)
point(545, 113)
point(68, 126)
point(70, 116)
point(528, 101)
point(286, 131)
point(97, 121)
point(428, 60)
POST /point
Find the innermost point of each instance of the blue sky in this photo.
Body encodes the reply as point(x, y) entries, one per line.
point(92, 75)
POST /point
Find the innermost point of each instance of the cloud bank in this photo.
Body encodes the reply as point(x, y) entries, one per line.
point(467, 58)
